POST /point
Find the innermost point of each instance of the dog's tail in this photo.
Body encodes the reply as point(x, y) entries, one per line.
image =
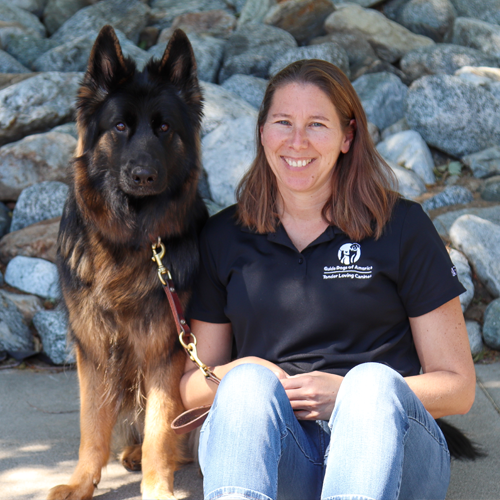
point(460, 446)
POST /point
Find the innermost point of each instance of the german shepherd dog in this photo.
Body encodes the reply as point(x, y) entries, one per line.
point(135, 178)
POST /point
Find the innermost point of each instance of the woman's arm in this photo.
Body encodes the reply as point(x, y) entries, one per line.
point(447, 385)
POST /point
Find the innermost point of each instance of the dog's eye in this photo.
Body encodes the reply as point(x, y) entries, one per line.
point(120, 126)
point(164, 127)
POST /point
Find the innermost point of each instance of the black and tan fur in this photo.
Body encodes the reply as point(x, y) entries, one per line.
point(135, 179)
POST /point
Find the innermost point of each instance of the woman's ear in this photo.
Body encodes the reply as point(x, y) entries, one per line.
point(349, 136)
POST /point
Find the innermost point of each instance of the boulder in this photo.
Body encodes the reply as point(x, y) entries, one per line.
point(443, 222)
point(442, 59)
point(399, 126)
point(484, 163)
point(36, 158)
point(464, 274)
point(5, 219)
point(28, 305)
point(130, 17)
point(67, 128)
point(28, 22)
point(490, 190)
point(410, 185)
point(451, 195)
point(491, 326)
point(37, 104)
point(248, 87)
point(41, 201)
point(409, 150)
point(34, 6)
point(37, 240)
point(390, 40)
point(14, 334)
point(221, 106)
point(252, 48)
point(477, 34)
point(478, 238)
point(383, 98)
point(304, 19)
point(254, 11)
point(454, 116)
point(475, 338)
point(330, 52)
point(10, 65)
point(374, 132)
point(227, 153)
point(487, 10)
point(57, 12)
point(491, 74)
point(27, 48)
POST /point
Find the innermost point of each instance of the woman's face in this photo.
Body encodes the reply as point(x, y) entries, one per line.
point(302, 139)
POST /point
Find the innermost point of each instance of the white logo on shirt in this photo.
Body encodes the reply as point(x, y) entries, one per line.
point(348, 254)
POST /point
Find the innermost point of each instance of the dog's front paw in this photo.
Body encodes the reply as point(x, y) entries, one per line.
point(156, 490)
point(131, 458)
point(68, 492)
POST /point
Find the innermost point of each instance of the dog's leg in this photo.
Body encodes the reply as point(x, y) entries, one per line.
point(97, 417)
point(162, 448)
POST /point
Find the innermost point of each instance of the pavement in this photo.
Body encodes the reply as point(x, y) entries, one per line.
point(39, 439)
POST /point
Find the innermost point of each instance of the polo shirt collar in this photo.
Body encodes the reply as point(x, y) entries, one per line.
point(281, 237)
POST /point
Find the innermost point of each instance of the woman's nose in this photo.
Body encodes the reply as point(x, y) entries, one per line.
point(298, 139)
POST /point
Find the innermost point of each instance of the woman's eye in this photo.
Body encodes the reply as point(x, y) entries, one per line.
point(164, 127)
point(120, 126)
point(284, 122)
point(317, 124)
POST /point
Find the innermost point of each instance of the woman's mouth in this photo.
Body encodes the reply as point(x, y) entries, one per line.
point(297, 162)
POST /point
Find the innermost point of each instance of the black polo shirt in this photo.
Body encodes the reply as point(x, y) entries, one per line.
point(336, 304)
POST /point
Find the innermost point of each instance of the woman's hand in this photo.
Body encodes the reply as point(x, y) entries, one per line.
point(312, 395)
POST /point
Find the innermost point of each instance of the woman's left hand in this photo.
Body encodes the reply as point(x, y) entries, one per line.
point(313, 394)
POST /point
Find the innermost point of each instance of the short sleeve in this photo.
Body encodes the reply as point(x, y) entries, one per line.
point(427, 276)
point(209, 293)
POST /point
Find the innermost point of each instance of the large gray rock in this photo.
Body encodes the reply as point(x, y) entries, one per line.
point(8, 64)
point(36, 158)
point(478, 239)
point(130, 17)
point(37, 104)
point(29, 23)
point(252, 48)
point(409, 150)
point(254, 11)
point(390, 40)
point(27, 48)
point(479, 35)
point(484, 163)
point(475, 338)
point(489, 74)
point(41, 201)
point(464, 274)
point(250, 88)
point(491, 326)
point(57, 12)
point(5, 219)
point(454, 116)
point(395, 128)
point(67, 128)
point(330, 52)
point(410, 185)
point(34, 6)
point(28, 305)
point(52, 327)
point(304, 19)
point(227, 153)
point(451, 195)
point(14, 334)
point(32, 275)
point(442, 59)
point(443, 222)
point(487, 10)
point(490, 190)
point(221, 106)
point(383, 97)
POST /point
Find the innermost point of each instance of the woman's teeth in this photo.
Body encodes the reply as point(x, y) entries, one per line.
point(295, 163)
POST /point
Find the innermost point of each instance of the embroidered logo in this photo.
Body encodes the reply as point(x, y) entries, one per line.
point(348, 255)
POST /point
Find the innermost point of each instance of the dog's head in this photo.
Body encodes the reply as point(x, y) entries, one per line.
point(139, 132)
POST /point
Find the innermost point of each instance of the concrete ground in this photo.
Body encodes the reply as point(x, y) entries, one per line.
point(39, 438)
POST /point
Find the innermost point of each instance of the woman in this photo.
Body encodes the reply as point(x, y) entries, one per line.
point(329, 307)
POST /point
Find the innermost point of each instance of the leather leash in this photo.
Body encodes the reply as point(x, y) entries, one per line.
point(190, 419)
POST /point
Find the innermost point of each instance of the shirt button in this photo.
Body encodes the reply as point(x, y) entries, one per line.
point(301, 260)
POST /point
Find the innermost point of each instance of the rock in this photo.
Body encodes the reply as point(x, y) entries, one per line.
point(443, 222)
point(478, 35)
point(494, 88)
point(390, 40)
point(399, 126)
point(476, 238)
point(208, 52)
point(487, 10)
point(37, 240)
point(52, 327)
point(252, 48)
point(42, 201)
point(227, 153)
point(254, 11)
point(383, 98)
point(475, 338)
point(10, 65)
point(410, 185)
point(32, 275)
point(491, 326)
point(304, 19)
point(5, 219)
point(34, 6)
point(57, 12)
point(484, 163)
point(362, 3)
point(28, 305)
point(26, 48)
point(442, 59)
point(14, 334)
point(29, 23)
point(374, 132)
point(36, 158)
point(410, 151)
point(492, 74)
point(250, 88)
point(129, 17)
point(451, 195)
point(464, 276)
point(67, 128)
point(221, 106)
point(8, 79)
point(490, 190)
point(454, 116)
point(330, 52)
point(212, 207)
point(37, 104)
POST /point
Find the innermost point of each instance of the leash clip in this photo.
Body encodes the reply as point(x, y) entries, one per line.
point(157, 258)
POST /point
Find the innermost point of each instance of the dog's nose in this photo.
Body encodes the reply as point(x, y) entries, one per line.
point(144, 176)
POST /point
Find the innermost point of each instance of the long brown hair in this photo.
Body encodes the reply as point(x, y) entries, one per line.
point(363, 185)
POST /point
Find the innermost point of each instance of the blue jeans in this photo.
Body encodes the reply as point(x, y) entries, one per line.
point(380, 442)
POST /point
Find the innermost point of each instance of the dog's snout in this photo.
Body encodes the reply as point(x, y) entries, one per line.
point(144, 176)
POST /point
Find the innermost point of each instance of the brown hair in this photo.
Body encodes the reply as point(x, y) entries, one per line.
point(363, 185)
